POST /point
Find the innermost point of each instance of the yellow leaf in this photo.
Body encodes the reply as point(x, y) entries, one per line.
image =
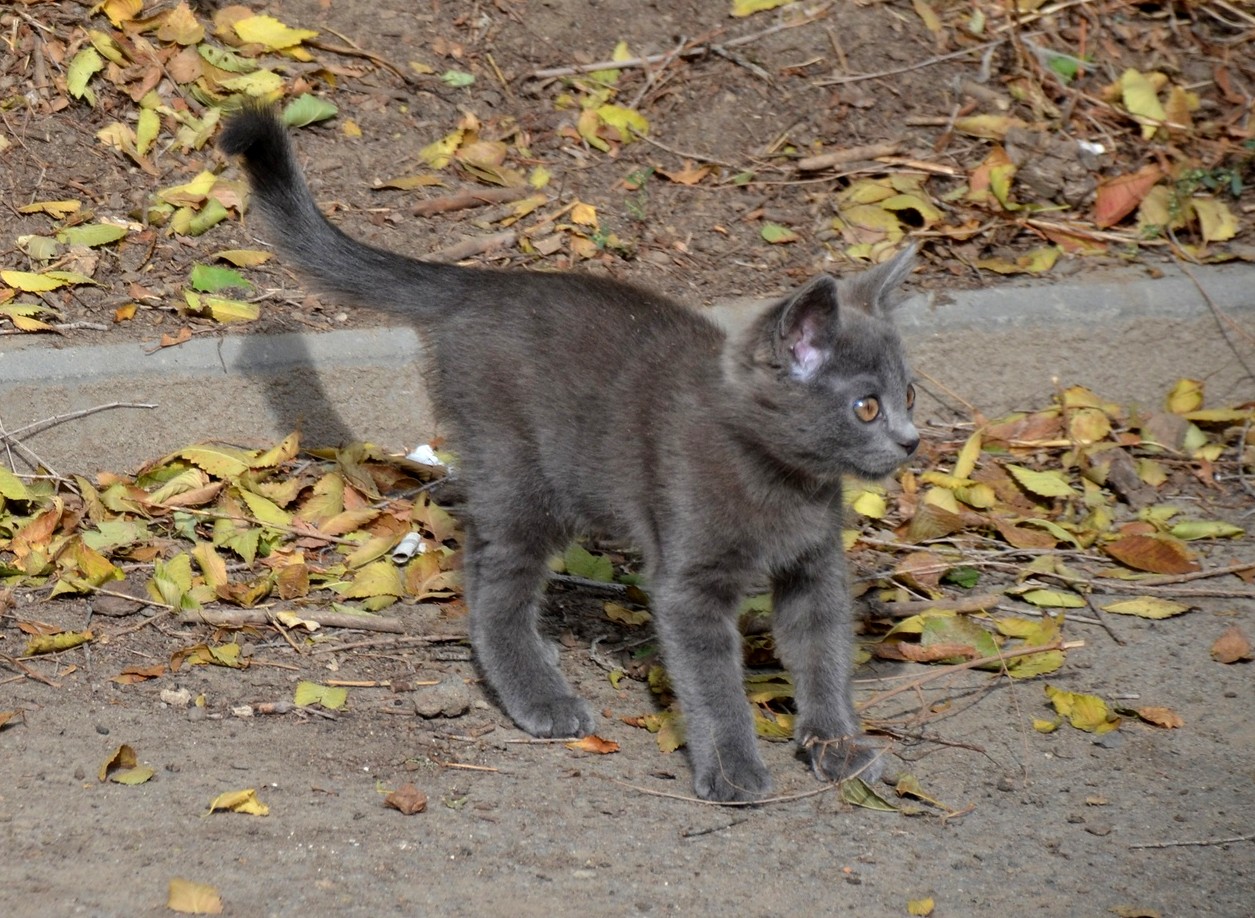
point(1142, 100)
point(1041, 725)
point(1147, 607)
point(57, 209)
point(1215, 221)
point(132, 776)
point(120, 11)
point(241, 801)
point(331, 697)
point(380, 578)
point(219, 461)
point(741, 8)
point(626, 121)
point(270, 33)
point(921, 907)
point(28, 282)
point(181, 27)
point(1055, 599)
point(1085, 712)
point(990, 127)
point(584, 214)
point(243, 258)
point(265, 510)
point(1043, 484)
point(625, 616)
point(122, 757)
point(190, 898)
point(870, 504)
point(54, 643)
point(965, 464)
point(1186, 396)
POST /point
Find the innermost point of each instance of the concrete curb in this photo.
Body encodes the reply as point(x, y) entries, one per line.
point(997, 348)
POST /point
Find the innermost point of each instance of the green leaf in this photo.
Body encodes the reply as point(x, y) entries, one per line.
point(91, 234)
point(777, 234)
point(146, 130)
point(580, 562)
point(1085, 712)
point(858, 792)
point(307, 109)
point(12, 487)
point(966, 577)
point(742, 8)
point(211, 278)
point(458, 78)
point(1189, 530)
point(86, 64)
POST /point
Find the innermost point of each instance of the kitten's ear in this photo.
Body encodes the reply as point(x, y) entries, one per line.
point(807, 324)
point(872, 291)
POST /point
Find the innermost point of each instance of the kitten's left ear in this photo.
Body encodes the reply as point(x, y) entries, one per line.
point(805, 330)
point(872, 290)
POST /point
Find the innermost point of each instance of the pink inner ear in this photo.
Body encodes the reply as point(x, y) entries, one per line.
point(806, 356)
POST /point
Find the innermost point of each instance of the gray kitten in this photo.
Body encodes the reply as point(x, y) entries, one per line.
point(581, 404)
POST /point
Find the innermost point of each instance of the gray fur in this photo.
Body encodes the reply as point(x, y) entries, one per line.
point(581, 404)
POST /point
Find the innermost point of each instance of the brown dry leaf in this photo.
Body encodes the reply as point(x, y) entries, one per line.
point(1232, 645)
point(134, 674)
point(1116, 198)
point(594, 744)
point(190, 898)
point(408, 799)
point(1161, 717)
point(1156, 554)
point(123, 757)
point(184, 335)
point(690, 174)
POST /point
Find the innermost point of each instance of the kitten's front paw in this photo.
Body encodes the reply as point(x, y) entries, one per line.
point(845, 757)
point(559, 717)
point(747, 782)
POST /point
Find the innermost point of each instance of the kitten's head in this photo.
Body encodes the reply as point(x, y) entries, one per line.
point(826, 386)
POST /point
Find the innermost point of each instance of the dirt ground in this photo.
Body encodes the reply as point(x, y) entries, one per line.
point(1142, 821)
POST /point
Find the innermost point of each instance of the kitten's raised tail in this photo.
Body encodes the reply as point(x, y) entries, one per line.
point(338, 263)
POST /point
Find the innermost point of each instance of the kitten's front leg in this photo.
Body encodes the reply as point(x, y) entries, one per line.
point(814, 637)
point(695, 614)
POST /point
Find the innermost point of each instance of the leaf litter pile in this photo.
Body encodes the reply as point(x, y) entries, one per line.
point(1065, 130)
point(1104, 129)
point(1006, 549)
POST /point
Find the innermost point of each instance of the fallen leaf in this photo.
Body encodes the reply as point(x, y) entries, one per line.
point(408, 799)
point(1155, 554)
point(122, 757)
point(241, 801)
point(331, 697)
point(1044, 484)
point(594, 744)
point(1161, 717)
point(1147, 607)
point(749, 7)
point(190, 898)
point(1085, 712)
point(921, 907)
point(625, 616)
point(1118, 197)
point(1232, 645)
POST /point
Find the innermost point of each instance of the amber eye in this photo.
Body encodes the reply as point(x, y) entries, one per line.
point(867, 409)
point(910, 397)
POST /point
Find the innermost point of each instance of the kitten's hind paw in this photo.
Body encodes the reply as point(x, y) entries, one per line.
point(558, 717)
point(845, 757)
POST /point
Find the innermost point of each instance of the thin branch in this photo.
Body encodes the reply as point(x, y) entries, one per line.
point(40, 426)
point(238, 618)
point(920, 65)
point(1205, 842)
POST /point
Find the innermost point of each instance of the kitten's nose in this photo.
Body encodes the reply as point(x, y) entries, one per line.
point(908, 440)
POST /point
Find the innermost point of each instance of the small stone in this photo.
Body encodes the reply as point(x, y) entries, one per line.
point(1006, 783)
point(451, 698)
point(1100, 829)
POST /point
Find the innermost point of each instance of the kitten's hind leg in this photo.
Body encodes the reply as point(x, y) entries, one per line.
point(814, 637)
point(503, 576)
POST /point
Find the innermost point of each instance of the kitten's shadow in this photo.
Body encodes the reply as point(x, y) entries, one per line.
point(297, 397)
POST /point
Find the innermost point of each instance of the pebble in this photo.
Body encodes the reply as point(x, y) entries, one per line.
point(451, 698)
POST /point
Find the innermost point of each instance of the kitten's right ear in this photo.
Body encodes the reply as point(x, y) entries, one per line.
point(806, 328)
point(872, 291)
